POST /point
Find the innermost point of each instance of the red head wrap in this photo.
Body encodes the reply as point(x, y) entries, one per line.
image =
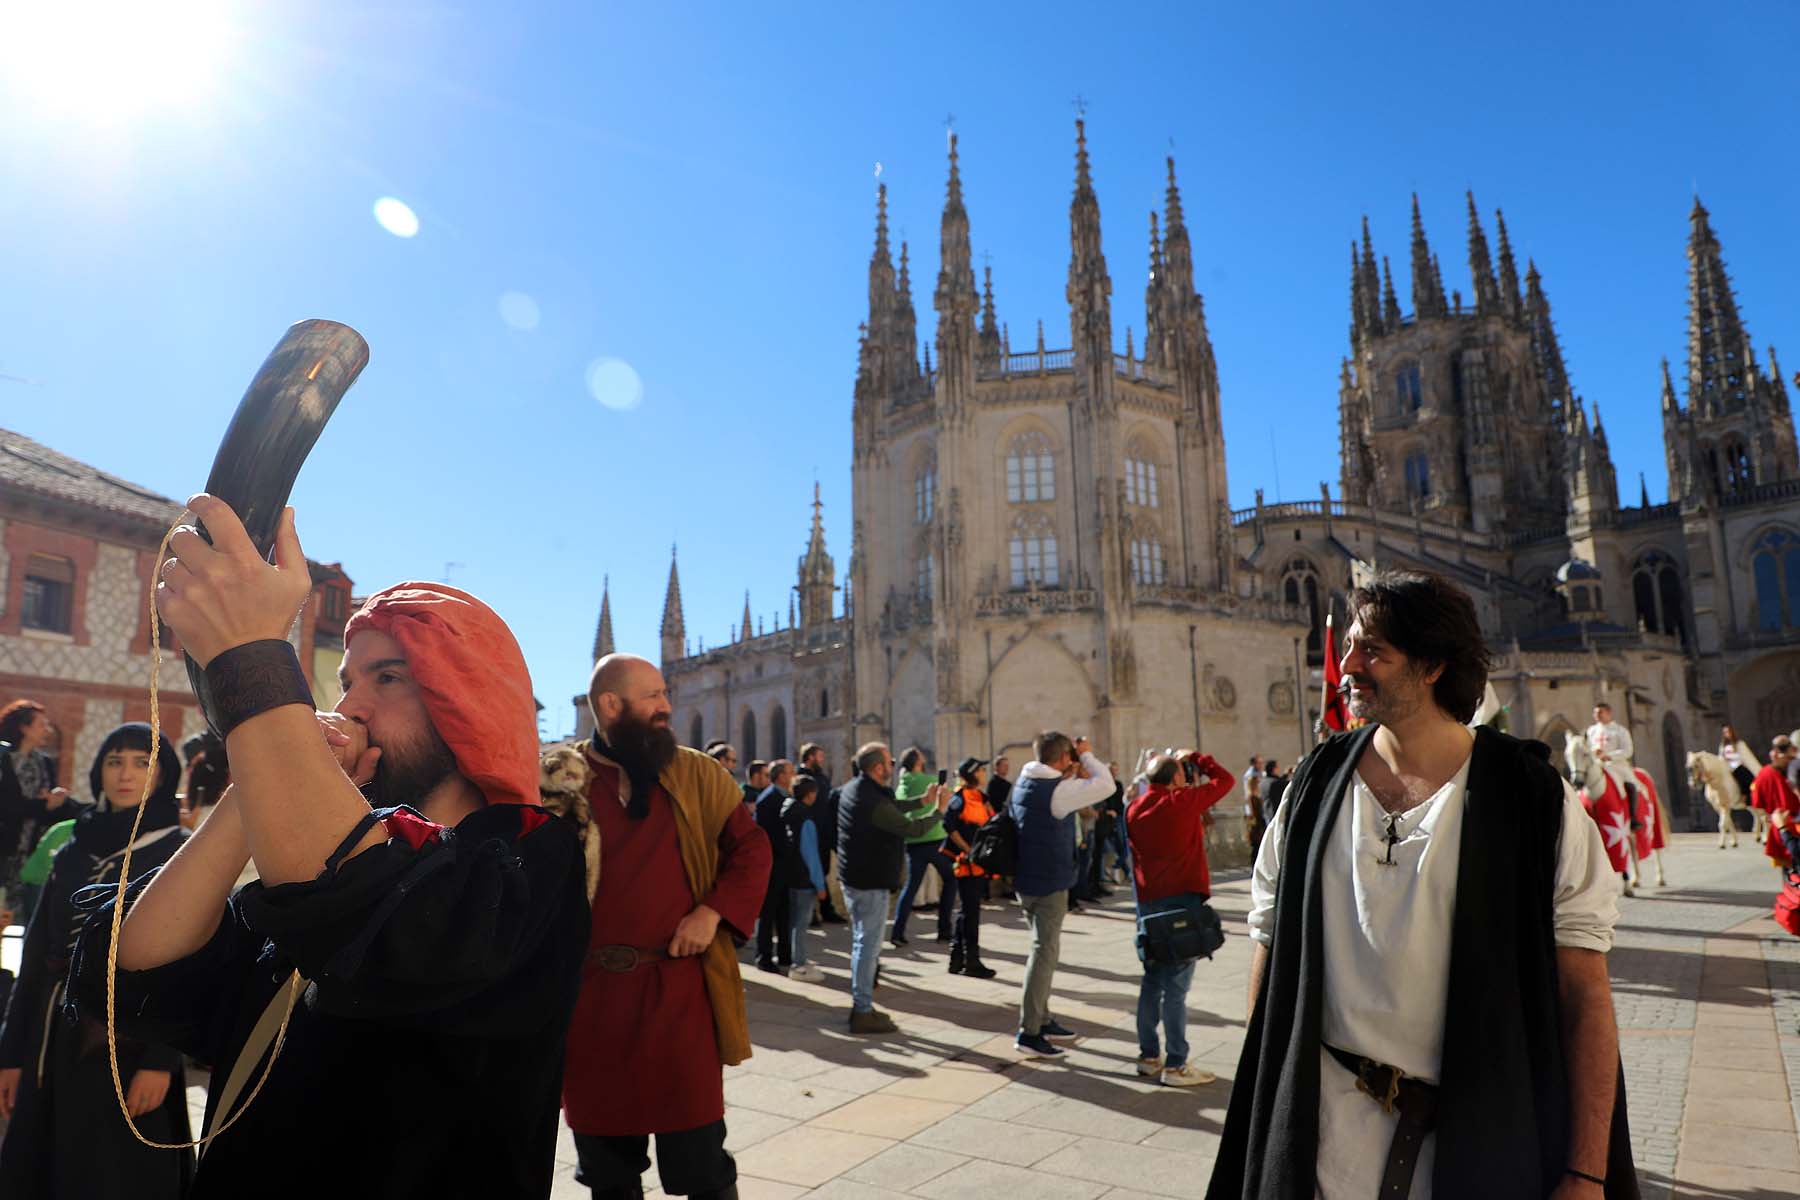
point(473, 677)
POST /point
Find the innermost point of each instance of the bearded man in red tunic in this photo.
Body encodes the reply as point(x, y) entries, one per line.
point(683, 868)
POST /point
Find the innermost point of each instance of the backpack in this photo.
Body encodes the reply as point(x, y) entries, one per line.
point(1787, 903)
point(995, 846)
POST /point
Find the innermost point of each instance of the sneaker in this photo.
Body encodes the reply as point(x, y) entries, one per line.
point(1150, 1067)
point(976, 969)
point(1185, 1076)
point(806, 973)
point(873, 1021)
point(1054, 1029)
point(1036, 1045)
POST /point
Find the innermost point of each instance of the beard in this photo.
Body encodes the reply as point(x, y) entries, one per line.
point(1383, 704)
point(642, 746)
point(409, 769)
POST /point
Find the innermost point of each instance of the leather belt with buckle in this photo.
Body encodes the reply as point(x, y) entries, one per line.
point(1414, 1099)
point(620, 959)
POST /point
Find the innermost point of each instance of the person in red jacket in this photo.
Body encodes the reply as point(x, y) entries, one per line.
point(1774, 794)
point(1167, 830)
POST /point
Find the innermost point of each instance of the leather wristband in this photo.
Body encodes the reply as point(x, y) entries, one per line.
point(252, 678)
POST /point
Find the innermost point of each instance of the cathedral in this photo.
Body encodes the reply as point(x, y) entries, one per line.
point(1042, 537)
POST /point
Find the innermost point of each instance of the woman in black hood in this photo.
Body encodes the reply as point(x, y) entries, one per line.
point(66, 1138)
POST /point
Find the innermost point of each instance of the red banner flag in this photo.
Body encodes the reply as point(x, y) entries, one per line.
point(1332, 709)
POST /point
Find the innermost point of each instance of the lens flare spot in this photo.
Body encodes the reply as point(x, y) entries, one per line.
point(615, 384)
point(519, 311)
point(396, 216)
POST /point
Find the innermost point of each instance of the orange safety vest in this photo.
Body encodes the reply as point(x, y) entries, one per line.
point(975, 813)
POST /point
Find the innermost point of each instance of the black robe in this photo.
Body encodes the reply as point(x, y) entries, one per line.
point(425, 1057)
point(67, 1138)
point(1503, 1104)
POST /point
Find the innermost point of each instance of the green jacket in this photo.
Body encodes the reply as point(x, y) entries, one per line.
point(37, 868)
point(911, 796)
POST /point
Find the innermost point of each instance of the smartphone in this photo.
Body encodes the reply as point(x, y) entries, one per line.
point(943, 778)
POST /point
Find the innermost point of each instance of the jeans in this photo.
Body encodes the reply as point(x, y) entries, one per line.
point(1163, 995)
point(920, 857)
point(688, 1162)
point(772, 929)
point(1044, 917)
point(868, 912)
point(800, 913)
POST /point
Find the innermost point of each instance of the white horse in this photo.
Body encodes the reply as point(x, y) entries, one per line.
point(1711, 775)
point(1586, 773)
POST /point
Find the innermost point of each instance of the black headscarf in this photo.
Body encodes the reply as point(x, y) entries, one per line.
point(103, 829)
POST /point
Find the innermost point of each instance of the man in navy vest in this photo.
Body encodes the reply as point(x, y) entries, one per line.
point(1050, 790)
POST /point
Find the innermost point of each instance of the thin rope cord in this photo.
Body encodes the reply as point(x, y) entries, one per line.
point(118, 913)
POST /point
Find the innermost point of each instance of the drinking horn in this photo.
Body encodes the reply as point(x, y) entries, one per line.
point(276, 423)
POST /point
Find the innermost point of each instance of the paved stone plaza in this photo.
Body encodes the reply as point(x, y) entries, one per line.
point(1707, 989)
point(1708, 992)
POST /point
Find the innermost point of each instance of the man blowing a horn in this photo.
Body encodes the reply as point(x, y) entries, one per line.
point(434, 942)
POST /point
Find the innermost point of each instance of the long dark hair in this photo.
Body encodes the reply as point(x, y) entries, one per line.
point(1432, 622)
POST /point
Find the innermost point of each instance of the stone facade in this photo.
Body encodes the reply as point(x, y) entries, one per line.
point(77, 554)
point(1041, 538)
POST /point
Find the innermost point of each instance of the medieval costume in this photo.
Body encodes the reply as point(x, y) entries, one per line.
point(652, 1033)
point(1612, 745)
point(1772, 793)
point(67, 1139)
point(1424, 941)
point(424, 1055)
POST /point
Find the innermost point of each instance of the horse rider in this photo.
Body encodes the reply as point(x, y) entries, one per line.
point(1611, 744)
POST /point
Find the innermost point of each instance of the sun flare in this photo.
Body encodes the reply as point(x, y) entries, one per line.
point(110, 61)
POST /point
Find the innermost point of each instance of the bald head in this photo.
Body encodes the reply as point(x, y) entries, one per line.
point(625, 684)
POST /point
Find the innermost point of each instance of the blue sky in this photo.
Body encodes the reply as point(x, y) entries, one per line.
point(689, 190)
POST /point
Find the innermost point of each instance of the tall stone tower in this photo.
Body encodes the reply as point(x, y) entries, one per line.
point(1055, 502)
point(1456, 410)
point(1737, 430)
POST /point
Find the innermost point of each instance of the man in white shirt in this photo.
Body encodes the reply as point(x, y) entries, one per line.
point(1611, 744)
point(1050, 790)
point(1429, 1003)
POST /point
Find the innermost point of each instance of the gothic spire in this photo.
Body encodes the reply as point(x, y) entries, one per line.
point(748, 631)
point(1178, 253)
point(988, 343)
point(1669, 403)
point(1371, 279)
point(1155, 297)
point(1718, 347)
point(1427, 284)
point(1509, 272)
point(817, 572)
point(1545, 347)
point(674, 630)
point(1359, 303)
point(1487, 291)
point(955, 299)
point(1643, 492)
point(881, 262)
point(1776, 383)
point(905, 322)
point(1390, 303)
point(603, 632)
point(1089, 290)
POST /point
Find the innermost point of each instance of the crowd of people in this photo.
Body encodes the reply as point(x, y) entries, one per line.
point(373, 902)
